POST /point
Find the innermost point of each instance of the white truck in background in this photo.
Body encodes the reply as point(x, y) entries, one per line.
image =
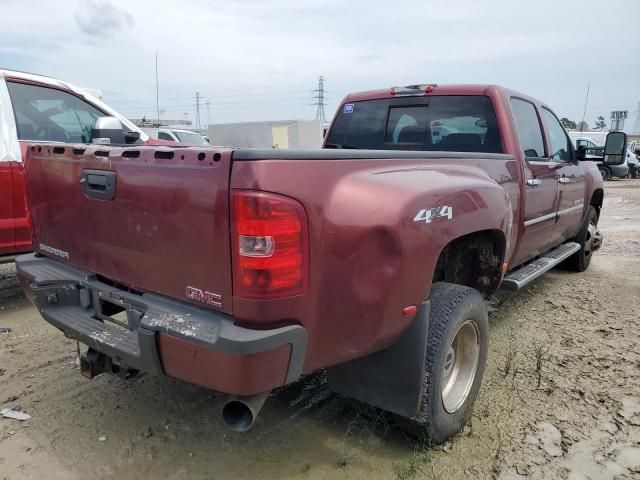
point(189, 137)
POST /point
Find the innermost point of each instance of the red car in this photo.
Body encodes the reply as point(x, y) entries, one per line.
point(241, 270)
point(34, 108)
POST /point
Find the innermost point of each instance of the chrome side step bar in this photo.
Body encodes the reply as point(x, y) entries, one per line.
point(525, 275)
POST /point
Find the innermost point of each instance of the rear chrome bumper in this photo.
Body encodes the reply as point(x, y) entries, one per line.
point(162, 335)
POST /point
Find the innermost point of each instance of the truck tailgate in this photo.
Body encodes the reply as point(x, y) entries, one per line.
point(150, 218)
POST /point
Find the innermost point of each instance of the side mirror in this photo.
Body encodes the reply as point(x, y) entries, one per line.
point(132, 137)
point(615, 148)
point(107, 130)
point(581, 152)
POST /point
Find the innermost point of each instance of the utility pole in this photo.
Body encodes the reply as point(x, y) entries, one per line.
point(636, 127)
point(319, 97)
point(586, 101)
point(197, 110)
point(157, 93)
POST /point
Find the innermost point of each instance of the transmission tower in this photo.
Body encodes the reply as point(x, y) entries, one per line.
point(319, 97)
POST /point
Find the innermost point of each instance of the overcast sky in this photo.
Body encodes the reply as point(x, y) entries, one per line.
point(260, 60)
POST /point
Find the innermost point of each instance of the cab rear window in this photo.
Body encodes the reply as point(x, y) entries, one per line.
point(436, 123)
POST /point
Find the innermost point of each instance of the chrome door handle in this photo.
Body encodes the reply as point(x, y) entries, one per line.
point(565, 180)
point(532, 182)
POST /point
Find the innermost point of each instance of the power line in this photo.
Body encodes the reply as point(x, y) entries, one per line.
point(319, 97)
point(289, 94)
point(273, 101)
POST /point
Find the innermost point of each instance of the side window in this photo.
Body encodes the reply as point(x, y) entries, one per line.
point(165, 136)
point(528, 128)
point(558, 140)
point(50, 114)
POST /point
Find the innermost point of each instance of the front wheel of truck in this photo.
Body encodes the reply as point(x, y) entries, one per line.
point(589, 239)
point(457, 347)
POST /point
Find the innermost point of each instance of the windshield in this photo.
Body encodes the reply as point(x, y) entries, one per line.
point(192, 138)
point(436, 123)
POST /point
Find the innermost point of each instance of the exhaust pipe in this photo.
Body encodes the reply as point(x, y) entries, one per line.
point(240, 412)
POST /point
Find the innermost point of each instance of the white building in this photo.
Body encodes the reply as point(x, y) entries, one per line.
point(276, 134)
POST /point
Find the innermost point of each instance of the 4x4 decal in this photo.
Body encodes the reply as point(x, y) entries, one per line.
point(427, 214)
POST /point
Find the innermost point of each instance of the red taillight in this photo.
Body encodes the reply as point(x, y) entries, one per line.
point(269, 242)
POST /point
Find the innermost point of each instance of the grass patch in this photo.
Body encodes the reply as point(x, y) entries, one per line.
point(542, 356)
point(510, 361)
point(410, 469)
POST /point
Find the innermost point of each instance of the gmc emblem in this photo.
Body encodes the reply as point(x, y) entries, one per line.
point(204, 297)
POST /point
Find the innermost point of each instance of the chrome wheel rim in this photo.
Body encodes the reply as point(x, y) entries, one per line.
point(590, 240)
point(460, 366)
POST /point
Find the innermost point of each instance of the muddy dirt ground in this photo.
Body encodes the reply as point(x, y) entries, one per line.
point(560, 398)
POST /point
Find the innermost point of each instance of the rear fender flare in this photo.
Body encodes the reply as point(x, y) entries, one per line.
point(480, 207)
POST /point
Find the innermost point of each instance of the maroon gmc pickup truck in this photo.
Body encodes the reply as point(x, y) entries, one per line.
point(241, 270)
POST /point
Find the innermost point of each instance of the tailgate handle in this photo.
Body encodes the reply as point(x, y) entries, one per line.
point(99, 184)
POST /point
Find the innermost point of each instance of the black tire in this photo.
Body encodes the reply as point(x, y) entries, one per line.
point(452, 306)
point(580, 261)
point(605, 172)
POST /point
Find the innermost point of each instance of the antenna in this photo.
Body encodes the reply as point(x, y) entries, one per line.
point(584, 113)
point(157, 94)
point(320, 115)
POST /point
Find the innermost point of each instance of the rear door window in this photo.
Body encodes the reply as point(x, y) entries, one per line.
point(528, 128)
point(49, 114)
point(435, 123)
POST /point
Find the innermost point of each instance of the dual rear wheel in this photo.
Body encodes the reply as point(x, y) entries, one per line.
point(457, 346)
point(455, 361)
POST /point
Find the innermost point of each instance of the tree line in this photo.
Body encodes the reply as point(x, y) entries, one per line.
point(599, 124)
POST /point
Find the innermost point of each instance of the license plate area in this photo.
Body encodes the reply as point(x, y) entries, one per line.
point(116, 312)
point(113, 313)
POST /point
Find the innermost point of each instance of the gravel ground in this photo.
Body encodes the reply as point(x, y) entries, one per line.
point(560, 398)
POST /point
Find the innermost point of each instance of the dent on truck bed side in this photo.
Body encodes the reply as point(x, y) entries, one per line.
point(371, 252)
